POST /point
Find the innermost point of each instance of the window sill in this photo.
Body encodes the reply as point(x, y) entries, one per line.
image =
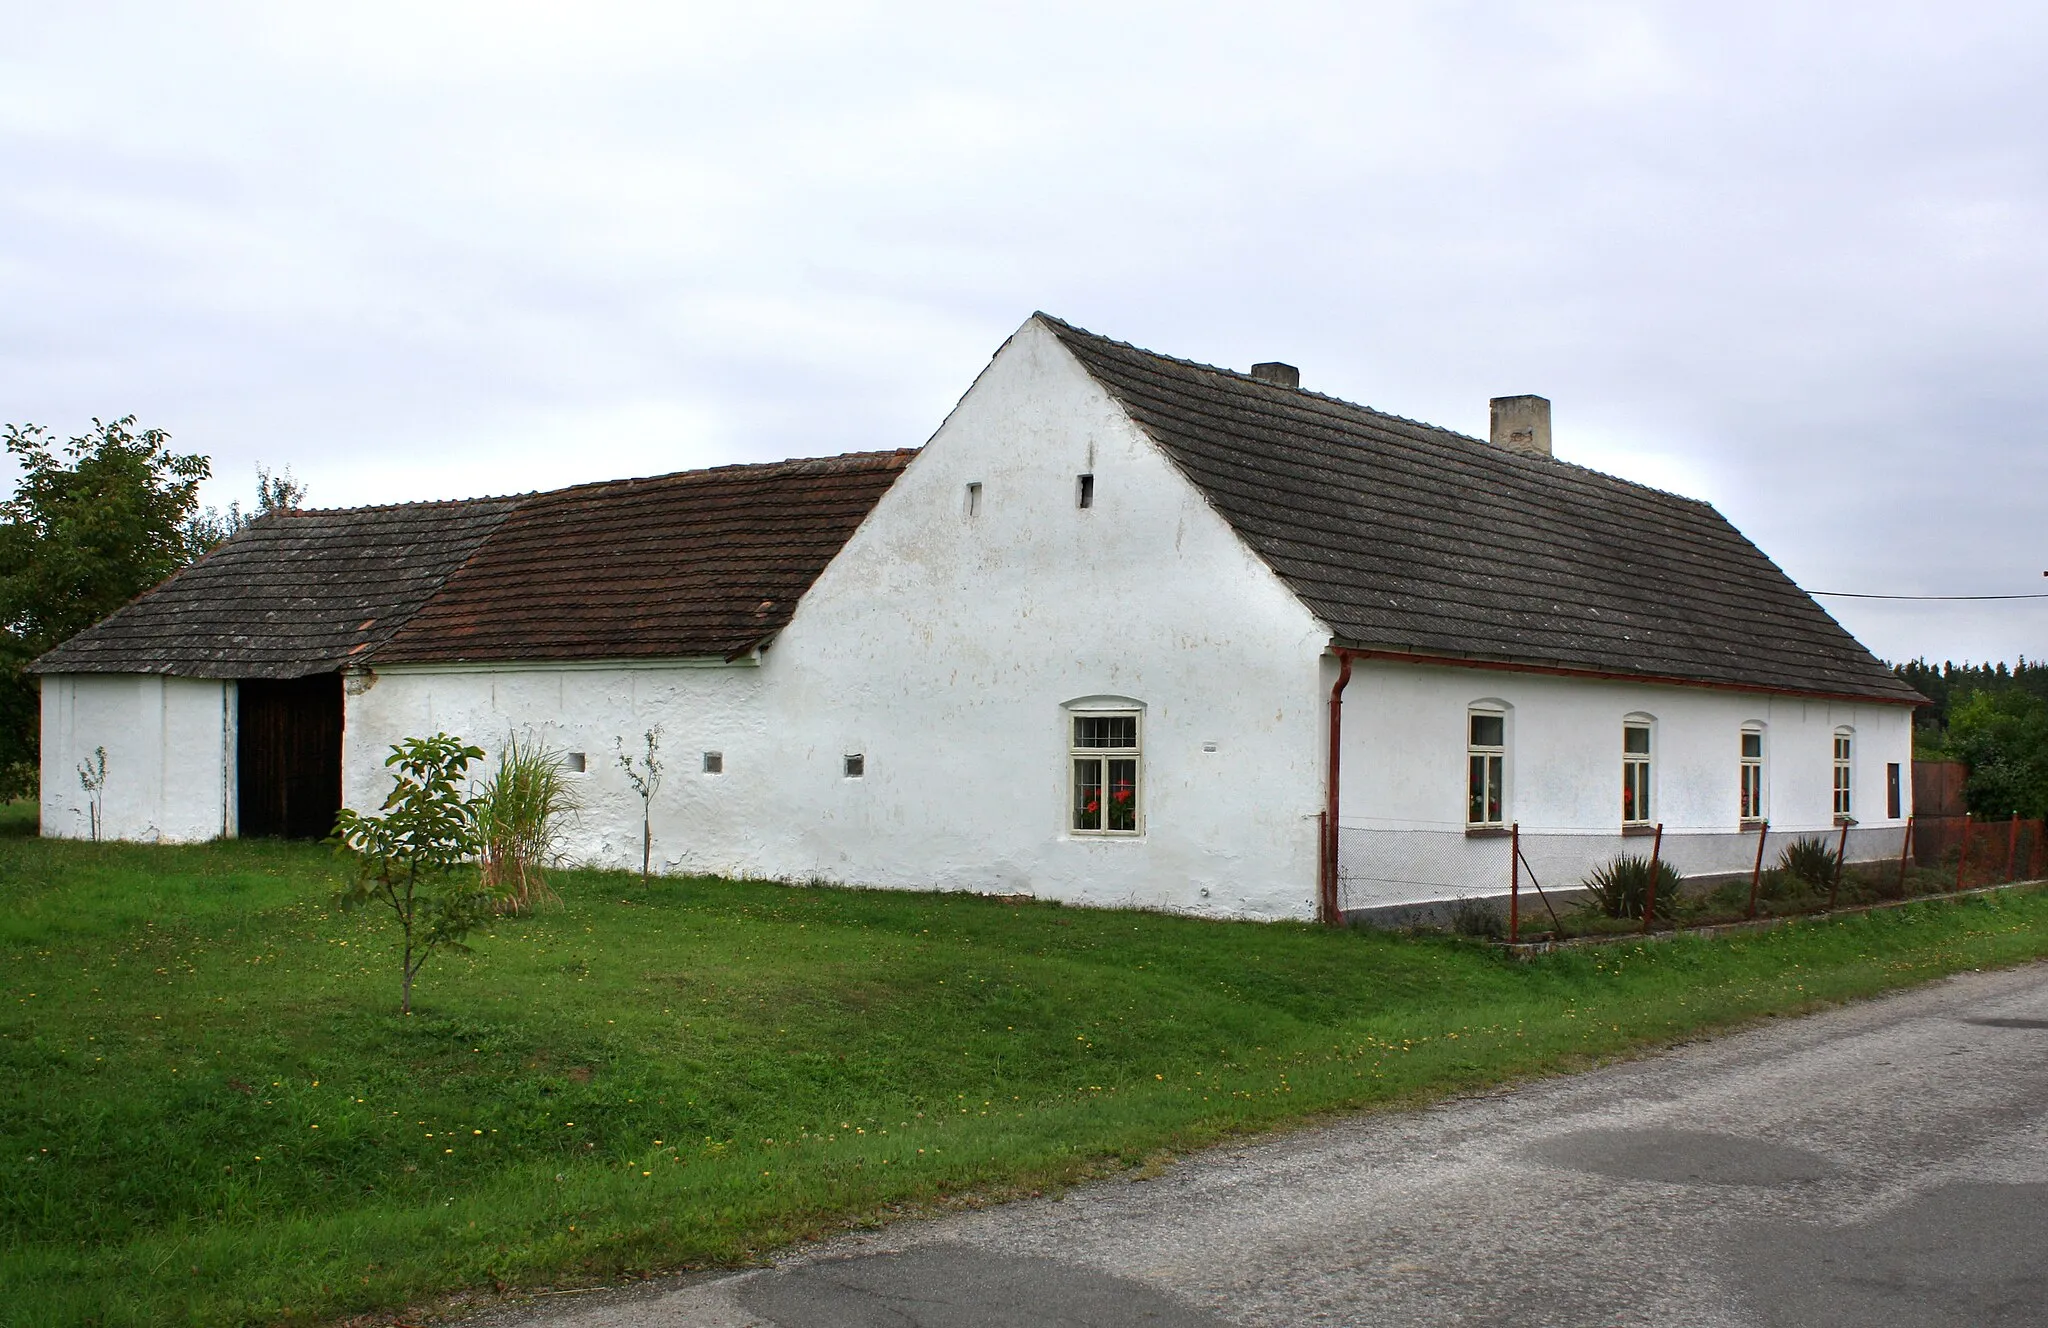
point(1756, 823)
point(1633, 828)
point(1487, 832)
point(1846, 820)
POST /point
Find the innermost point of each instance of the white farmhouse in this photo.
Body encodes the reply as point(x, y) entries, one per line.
point(1126, 630)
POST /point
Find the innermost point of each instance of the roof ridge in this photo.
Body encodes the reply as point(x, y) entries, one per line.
point(1248, 378)
point(528, 495)
point(838, 460)
point(1375, 411)
point(289, 513)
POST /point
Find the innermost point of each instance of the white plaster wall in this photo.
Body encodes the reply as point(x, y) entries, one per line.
point(1404, 771)
point(703, 823)
point(169, 741)
point(942, 647)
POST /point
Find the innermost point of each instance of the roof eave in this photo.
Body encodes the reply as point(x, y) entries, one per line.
point(1556, 668)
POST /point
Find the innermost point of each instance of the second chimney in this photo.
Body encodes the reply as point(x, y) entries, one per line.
point(1522, 424)
point(1278, 374)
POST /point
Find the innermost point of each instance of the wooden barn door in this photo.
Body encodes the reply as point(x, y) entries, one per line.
point(288, 757)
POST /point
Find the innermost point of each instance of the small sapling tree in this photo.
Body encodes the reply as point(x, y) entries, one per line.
point(644, 774)
point(412, 857)
point(92, 777)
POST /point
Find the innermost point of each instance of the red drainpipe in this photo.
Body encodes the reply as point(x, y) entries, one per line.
point(1332, 913)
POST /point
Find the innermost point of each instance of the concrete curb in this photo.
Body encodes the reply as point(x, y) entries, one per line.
point(1530, 949)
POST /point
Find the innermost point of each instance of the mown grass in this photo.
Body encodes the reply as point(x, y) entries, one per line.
point(213, 1114)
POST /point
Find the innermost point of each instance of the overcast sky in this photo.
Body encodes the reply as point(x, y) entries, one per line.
point(1789, 258)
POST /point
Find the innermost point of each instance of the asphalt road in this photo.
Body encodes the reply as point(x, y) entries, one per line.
point(1878, 1166)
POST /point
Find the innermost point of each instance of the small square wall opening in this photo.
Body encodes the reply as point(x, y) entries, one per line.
point(1084, 491)
point(856, 765)
point(575, 762)
point(714, 763)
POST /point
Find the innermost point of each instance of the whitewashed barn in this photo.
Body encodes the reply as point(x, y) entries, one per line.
point(1126, 630)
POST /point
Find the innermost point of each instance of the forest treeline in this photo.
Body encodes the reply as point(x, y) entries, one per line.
point(1994, 719)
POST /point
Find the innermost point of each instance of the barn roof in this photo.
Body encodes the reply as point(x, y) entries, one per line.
point(1409, 538)
point(296, 593)
point(706, 562)
point(698, 563)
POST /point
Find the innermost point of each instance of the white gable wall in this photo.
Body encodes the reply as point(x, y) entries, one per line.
point(170, 746)
point(1404, 767)
point(943, 646)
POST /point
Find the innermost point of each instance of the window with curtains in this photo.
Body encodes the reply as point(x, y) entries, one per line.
point(1105, 760)
point(1845, 751)
point(1635, 773)
point(1486, 754)
point(1752, 773)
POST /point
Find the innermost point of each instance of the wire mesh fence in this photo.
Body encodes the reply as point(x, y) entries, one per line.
point(1981, 852)
point(1709, 875)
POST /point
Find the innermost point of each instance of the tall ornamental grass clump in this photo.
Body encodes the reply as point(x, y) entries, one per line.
point(520, 813)
point(1811, 861)
point(1619, 888)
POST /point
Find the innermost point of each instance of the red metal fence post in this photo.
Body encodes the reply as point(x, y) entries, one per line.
point(1756, 873)
point(1905, 853)
point(1841, 860)
point(2012, 841)
point(1650, 895)
point(1515, 883)
point(1963, 854)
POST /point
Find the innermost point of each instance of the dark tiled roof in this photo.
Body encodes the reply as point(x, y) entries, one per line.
point(1406, 537)
point(700, 563)
point(295, 594)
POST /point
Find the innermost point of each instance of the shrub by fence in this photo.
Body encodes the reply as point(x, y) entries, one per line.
point(1543, 872)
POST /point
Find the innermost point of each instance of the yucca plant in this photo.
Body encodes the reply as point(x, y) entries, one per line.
point(519, 814)
point(1810, 860)
point(1617, 889)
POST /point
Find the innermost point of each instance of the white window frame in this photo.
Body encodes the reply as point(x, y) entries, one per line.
point(1638, 772)
point(1105, 760)
point(1486, 767)
point(1751, 799)
point(1845, 774)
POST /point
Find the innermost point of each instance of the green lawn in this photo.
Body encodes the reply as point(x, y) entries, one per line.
point(213, 1114)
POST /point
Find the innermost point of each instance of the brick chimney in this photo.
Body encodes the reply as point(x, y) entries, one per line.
point(1276, 373)
point(1521, 424)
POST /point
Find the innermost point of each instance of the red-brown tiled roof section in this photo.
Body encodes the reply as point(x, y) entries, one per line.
point(707, 562)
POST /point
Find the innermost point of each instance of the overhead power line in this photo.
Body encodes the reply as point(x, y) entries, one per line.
point(1852, 594)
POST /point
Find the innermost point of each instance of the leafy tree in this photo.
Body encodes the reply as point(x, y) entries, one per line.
point(413, 857)
point(274, 493)
point(2003, 737)
point(92, 523)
